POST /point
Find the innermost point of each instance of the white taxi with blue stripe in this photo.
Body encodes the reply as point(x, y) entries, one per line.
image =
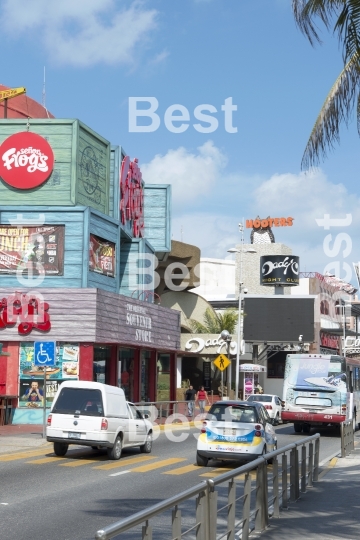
point(235, 430)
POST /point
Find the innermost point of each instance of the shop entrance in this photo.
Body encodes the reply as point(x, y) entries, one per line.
point(163, 377)
point(126, 358)
point(101, 364)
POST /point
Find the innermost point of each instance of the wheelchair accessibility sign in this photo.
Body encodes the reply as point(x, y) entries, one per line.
point(45, 353)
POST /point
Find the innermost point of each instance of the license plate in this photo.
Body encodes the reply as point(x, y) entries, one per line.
point(74, 435)
point(229, 431)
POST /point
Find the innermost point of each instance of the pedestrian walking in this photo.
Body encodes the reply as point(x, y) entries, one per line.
point(202, 398)
point(190, 398)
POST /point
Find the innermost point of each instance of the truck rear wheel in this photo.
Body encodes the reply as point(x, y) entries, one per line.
point(297, 427)
point(115, 451)
point(60, 449)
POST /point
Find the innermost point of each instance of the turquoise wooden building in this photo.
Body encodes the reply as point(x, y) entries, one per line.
point(93, 223)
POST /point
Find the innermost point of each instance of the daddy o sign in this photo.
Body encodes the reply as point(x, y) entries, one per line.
point(26, 160)
point(279, 270)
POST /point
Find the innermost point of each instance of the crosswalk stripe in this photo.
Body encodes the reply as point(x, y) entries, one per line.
point(45, 460)
point(216, 472)
point(158, 465)
point(183, 470)
point(24, 455)
point(124, 462)
point(78, 462)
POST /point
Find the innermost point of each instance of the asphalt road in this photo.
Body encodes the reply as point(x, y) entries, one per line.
point(43, 497)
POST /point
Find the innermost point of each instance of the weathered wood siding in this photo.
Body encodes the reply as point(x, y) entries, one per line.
point(93, 169)
point(93, 315)
point(72, 315)
point(75, 248)
point(137, 268)
point(157, 217)
point(59, 189)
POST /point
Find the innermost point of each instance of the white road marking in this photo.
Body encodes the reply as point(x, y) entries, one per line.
point(5, 504)
point(118, 473)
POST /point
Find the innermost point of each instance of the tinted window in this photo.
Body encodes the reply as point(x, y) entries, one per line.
point(79, 401)
point(260, 398)
point(233, 413)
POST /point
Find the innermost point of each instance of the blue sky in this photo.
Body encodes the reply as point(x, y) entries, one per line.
point(99, 53)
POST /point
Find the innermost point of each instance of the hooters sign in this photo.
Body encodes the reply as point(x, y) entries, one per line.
point(26, 160)
point(132, 197)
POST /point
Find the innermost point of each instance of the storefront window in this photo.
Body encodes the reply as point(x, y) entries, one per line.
point(101, 357)
point(144, 375)
point(163, 378)
point(126, 372)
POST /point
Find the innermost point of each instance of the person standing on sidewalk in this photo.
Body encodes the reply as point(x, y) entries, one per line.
point(190, 398)
point(202, 398)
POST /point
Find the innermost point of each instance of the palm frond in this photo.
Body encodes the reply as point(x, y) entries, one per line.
point(336, 109)
point(215, 323)
point(305, 11)
point(348, 28)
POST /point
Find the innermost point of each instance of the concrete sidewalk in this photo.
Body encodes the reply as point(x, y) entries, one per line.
point(21, 438)
point(328, 511)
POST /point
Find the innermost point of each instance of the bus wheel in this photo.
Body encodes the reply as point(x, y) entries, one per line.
point(306, 428)
point(297, 427)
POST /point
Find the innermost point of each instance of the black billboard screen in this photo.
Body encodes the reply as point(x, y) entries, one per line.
point(278, 318)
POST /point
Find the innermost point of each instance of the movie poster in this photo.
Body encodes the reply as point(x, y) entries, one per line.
point(101, 256)
point(32, 250)
point(31, 391)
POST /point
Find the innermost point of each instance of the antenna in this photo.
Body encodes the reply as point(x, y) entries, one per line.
point(44, 91)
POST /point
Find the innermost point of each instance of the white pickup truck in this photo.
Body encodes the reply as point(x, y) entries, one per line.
point(96, 415)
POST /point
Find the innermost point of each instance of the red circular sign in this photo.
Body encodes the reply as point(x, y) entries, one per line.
point(26, 160)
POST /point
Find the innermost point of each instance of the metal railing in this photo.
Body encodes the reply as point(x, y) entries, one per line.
point(347, 437)
point(220, 513)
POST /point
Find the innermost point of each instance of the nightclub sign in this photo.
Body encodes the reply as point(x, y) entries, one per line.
point(279, 270)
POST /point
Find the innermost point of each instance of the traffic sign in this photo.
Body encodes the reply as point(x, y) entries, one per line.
point(222, 362)
point(44, 353)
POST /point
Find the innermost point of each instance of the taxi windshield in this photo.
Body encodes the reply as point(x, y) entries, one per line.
point(233, 413)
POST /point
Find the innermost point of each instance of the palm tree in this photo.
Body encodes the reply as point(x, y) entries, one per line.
point(343, 17)
point(215, 323)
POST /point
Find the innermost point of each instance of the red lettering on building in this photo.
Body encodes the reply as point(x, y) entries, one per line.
point(132, 197)
point(29, 312)
point(329, 341)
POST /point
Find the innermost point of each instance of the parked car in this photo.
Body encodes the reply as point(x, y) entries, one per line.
point(97, 415)
point(238, 430)
point(271, 402)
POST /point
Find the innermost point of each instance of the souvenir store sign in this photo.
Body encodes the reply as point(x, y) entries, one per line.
point(31, 389)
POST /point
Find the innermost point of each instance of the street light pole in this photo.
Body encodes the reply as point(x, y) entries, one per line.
point(240, 322)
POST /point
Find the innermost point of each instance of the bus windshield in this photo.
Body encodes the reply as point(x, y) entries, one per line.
point(325, 373)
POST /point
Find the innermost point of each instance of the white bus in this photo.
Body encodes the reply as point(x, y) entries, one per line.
point(320, 390)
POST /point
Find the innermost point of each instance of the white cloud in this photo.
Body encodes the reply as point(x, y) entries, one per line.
point(209, 202)
point(81, 32)
point(161, 57)
point(190, 174)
